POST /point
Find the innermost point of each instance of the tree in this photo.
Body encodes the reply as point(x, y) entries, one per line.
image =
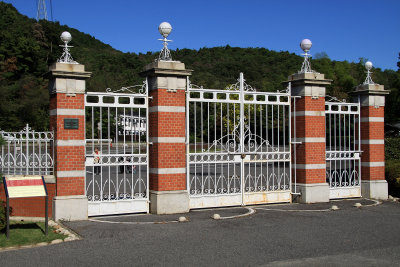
point(27, 47)
point(320, 55)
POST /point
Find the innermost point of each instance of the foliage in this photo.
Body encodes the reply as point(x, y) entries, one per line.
point(392, 165)
point(2, 215)
point(398, 63)
point(25, 233)
point(392, 174)
point(27, 47)
point(321, 55)
point(392, 148)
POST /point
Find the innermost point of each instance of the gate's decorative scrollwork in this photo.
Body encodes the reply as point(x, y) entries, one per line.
point(133, 89)
point(231, 142)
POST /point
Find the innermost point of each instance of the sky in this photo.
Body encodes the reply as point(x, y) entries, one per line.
point(345, 30)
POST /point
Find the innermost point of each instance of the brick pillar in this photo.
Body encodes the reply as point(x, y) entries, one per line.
point(167, 85)
point(310, 167)
point(372, 99)
point(67, 120)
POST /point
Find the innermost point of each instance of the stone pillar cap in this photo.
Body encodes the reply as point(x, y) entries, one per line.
point(308, 78)
point(68, 70)
point(370, 89)
point(166, 68)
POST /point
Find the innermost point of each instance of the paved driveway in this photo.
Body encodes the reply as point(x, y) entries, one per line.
point(276, 235)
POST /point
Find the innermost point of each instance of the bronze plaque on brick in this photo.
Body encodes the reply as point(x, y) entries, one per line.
point(71, 124)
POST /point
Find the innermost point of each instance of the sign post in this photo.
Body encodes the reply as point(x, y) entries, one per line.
point(25, 186)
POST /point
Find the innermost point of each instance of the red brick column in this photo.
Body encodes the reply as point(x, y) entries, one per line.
point(67, 120)
point(372, 99)
point(310, 166)
point(167, 85)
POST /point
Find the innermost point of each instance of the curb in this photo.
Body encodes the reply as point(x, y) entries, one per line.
point(59, 228)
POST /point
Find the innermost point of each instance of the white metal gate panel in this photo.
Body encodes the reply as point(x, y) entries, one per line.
point(117, 175)
point(238, 149)
point(343, 163)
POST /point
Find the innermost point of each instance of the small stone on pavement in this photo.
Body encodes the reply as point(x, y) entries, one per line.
point(182, 219)
point(216, 216)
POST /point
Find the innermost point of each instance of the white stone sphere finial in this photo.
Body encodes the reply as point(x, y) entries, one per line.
point(368, 65)
point(165, 29)
point(66, 55)
point(66, 37)
point(306, 45)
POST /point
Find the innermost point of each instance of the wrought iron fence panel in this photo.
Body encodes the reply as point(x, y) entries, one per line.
point(343, 163)
point(27, 152)
point(117, 145)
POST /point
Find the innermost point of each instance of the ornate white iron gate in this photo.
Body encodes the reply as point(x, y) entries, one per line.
point(117, 175)
point(343, 163)
point(238, 146)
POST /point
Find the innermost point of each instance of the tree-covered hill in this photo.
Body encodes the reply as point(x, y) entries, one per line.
point(28, 47)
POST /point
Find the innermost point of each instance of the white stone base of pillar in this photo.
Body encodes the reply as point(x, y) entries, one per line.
point(377, 189)
point(312, 193)
point(169, 202)
point(70, 208)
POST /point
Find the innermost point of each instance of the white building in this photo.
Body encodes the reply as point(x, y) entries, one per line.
point(131, 125)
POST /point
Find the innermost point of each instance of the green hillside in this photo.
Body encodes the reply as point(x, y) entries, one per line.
point(28, 47)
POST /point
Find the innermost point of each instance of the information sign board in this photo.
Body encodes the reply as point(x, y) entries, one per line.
point(25, 186)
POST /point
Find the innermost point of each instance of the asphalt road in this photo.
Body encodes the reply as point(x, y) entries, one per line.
point(276, 235)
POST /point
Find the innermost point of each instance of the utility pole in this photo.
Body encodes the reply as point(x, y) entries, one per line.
point(42, 10)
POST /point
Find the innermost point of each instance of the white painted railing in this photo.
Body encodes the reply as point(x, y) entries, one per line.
point(27, 152)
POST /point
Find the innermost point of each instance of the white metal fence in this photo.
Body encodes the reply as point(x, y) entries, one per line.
point(117, 174)
point(27, 152)
point(238, 146)
point(343, 163)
